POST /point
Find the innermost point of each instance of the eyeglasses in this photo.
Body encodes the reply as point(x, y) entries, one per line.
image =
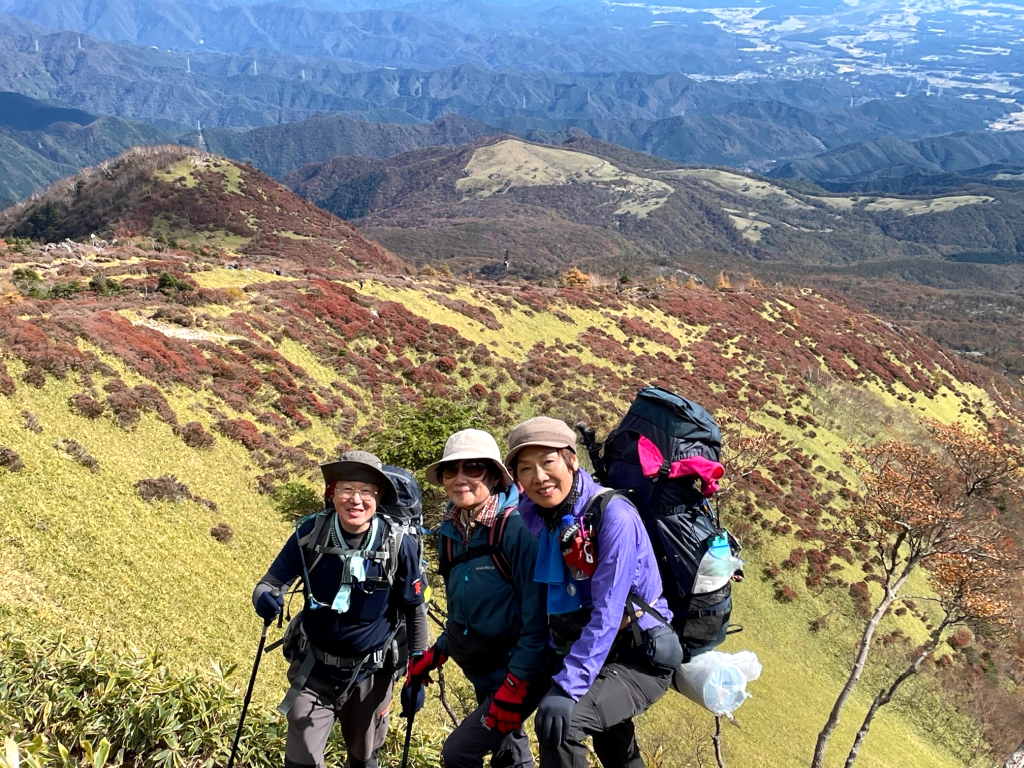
point(345, 493)
point(473, 469)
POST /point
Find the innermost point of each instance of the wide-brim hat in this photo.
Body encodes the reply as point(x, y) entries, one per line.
point(363, 467)
point(541, 431)
point(470, 444)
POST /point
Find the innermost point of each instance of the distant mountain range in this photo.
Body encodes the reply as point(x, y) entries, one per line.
point(280, 149)
point(891, 158)
point(42, 142)
point(739, 123)
point(591, 37)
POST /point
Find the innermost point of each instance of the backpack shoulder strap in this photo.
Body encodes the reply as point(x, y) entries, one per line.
point(593, 515)
point(313, 535)
point(391, 543)
point(494, 549)
point(496, 540)
point(445, 555)
point(311, 539)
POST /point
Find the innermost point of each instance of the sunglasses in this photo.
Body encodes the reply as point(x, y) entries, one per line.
point(473, 469)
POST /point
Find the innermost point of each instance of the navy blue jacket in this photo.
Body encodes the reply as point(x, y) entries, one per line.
point(374, 608)
point(511, 615)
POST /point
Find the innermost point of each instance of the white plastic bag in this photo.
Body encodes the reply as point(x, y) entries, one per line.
point(716, 567)
point(717, 681)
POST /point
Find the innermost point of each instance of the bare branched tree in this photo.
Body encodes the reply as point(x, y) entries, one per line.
point(924, 505)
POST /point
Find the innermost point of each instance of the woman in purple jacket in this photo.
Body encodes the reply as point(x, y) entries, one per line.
point(609, 621)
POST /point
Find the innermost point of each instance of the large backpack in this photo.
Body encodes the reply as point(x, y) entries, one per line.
point(407, 512)
point(677, 515)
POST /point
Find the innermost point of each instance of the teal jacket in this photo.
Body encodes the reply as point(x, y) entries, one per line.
point(508, 618)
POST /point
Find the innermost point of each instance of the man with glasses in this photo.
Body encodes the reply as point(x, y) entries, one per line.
point(360, 577)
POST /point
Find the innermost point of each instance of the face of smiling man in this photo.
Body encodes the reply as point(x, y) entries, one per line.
point(355, 503)
point(546, 474)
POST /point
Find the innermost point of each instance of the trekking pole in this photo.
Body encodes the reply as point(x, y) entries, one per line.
point(408, 739)
point(252, 679)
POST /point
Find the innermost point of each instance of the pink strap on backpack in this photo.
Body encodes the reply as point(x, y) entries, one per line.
point(709, 472)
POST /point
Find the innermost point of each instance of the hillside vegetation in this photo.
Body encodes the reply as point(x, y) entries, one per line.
point(622, 213)
point(147, 426)
point(210, 203)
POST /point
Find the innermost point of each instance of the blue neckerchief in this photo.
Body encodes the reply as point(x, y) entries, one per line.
point(563, 591)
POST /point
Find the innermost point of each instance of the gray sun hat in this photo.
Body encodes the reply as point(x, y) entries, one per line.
point(539, 431)
point(470, 444)
point(364, 467)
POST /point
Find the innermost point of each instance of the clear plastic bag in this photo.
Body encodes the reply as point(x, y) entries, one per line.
point(717, 681)
point(716, 567)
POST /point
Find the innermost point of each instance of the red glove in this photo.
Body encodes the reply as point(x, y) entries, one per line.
point(506, 711)
point(421, 665)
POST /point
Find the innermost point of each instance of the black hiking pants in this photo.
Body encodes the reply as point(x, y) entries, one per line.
point(622, 691)
point(467, 745)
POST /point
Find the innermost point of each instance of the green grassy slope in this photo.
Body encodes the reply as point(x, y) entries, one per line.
point(311, 363)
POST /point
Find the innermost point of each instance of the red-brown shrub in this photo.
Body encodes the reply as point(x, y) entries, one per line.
point(194, 435)
point(84, 405)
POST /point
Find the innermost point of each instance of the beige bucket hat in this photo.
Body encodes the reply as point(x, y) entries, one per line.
point(539, 431)
point(470, 444)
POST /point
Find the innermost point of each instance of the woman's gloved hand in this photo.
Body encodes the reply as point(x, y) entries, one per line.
point(554, 716)
point(422, 664)
point(269, 605)
point(506, 710)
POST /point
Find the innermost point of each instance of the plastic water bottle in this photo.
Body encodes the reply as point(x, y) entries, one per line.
point(716, 567)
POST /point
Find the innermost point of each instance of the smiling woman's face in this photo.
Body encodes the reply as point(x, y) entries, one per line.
point(467, 483)
point(545, 474)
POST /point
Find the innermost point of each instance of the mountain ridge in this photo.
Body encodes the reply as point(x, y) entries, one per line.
point(44, 142)
point(893, 157)
point(174, 192)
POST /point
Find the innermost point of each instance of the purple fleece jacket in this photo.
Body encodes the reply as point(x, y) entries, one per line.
point(625, 563)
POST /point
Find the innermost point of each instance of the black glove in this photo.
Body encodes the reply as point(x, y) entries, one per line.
point(412, 697)
point(269, 605)
point(554, 716)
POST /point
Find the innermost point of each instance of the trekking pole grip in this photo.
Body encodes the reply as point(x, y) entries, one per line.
point(280, 617)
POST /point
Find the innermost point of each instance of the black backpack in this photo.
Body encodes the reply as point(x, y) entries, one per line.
point(407, 512)
point(678, 517)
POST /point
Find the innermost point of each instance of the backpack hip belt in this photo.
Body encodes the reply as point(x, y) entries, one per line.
point(375, 658)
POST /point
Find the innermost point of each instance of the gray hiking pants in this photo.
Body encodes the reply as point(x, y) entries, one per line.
point(363, 716)
point(621, 692)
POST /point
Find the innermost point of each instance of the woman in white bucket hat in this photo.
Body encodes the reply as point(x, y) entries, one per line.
point(497, 628)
